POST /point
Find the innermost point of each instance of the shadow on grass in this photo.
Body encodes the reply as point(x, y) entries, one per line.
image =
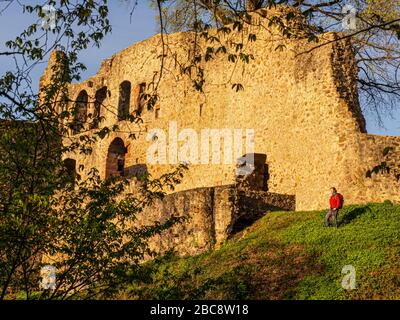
point(250, 218)
point(348, 217)
point(272, 273)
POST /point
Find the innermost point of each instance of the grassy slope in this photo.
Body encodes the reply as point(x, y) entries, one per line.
point(289, 255)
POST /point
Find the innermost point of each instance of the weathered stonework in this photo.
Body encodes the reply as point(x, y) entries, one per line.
point(302, 104)
point(212, 215)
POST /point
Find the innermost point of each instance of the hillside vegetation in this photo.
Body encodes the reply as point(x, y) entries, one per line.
point(287, 255)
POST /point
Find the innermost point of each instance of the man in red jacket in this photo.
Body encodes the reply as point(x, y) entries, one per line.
point(335, 205)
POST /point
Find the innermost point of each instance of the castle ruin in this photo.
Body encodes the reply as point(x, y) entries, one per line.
point(309, 131)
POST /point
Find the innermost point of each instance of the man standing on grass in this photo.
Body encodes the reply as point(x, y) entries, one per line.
point(335, 203)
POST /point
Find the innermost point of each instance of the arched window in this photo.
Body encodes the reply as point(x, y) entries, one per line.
point(100, 96)
point(140, 97)
point(80, 112)
point(124, 100)
point(115, 165)
point(70, 170)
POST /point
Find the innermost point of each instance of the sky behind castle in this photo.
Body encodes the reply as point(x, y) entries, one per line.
point(126, 31)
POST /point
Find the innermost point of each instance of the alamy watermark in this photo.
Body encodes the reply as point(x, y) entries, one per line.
point(49, 20)
point(349, 280)
point(349, 22)
point(48, 274)
point(192, 147)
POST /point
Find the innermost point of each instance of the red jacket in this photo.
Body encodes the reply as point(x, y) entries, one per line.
point(334, 201)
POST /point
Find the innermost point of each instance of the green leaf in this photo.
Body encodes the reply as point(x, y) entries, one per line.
point(237, 87)
point(252, 37)
point(280, 47)
point(387, 150)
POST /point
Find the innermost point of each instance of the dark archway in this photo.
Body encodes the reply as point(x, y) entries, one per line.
point(140, 97)
point(100, 96)
point(124, 100)
point(115, 166)
point(80, 112)
point(70, 170)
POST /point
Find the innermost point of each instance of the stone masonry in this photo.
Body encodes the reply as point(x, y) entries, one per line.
point(302, 105)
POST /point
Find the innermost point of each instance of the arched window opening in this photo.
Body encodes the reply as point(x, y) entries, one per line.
point(80, 112)
point(140, 97)
point(70, 170)
point(115, 166)
point(100, 96)
point(124, 100)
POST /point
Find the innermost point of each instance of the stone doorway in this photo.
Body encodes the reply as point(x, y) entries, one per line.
point(70, 171)
point(115, 166)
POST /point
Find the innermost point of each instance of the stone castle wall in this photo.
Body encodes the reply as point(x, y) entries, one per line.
point(303, 107)
point(211, 215)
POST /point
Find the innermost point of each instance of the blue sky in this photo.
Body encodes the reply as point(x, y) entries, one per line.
point(125, 33)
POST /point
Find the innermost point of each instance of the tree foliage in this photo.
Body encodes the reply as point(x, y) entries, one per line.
point(87, 231)
point(375, 35)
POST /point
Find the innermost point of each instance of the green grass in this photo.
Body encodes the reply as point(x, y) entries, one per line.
point(287, 255)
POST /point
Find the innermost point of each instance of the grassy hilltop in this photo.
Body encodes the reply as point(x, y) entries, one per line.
point(288, 255)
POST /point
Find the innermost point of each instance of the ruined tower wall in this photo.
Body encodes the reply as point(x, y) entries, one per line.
point(303, 107)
